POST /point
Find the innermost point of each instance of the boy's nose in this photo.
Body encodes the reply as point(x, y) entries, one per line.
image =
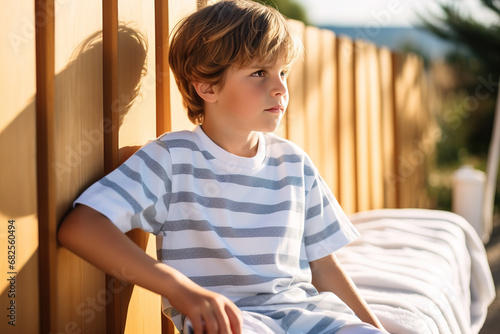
point(279, 87)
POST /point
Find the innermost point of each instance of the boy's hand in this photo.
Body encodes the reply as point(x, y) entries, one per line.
point(92, 236)
point(209, 312)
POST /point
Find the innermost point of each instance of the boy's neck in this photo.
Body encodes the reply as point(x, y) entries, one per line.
point(242, 144)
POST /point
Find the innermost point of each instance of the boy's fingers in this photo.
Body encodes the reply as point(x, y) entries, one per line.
point(224, 326)
point(197, 325)
point(235, 319)
point(211, 326)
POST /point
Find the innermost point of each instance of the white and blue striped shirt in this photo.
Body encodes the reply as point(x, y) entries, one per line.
point(243, 227)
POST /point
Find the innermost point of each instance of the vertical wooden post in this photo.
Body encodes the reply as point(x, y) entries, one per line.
point(45, 120)
point(110, 82)
point(362, 147)
point(347, 127)
point(388, 128)
point(162, 93)
point(110, 127)
point(295, 115)
point(375, 127)
point(329, 112)
point(397, 127)
point(162, 70)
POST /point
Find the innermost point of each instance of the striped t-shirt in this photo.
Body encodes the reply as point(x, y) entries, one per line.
point(243, 227)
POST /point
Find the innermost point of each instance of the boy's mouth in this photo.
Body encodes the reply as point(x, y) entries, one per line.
point(277, 109)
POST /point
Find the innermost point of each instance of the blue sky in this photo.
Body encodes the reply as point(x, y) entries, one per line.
point(383, 12)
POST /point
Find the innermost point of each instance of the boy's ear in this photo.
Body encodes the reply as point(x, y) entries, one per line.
point(206, 91)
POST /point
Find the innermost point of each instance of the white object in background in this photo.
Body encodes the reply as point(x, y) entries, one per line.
point(492, 171)
point(468, 204)
point(468, 198)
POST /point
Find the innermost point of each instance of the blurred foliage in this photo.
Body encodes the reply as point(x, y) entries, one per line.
point(481, 39)
point(289, 8)
point(467, 106)
point(477, 75)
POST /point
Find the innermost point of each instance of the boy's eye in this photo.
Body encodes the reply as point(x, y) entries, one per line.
point(260, 73)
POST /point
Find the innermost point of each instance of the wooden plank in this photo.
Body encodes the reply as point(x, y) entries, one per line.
point(163, 83)
point(427, 143)
point(295, 116)
point(423, 142)
point(409, 158)
point(346, 124)
point(388, 128)
point(162, 70)
point(111, 98)
point(45, 122)
point(18, 181)
point(136, 82)
point(373, 89)
point(140, 309)
point(363, 157)
point(329, 112)
point(414, 155)
point(175, 115)
point(78, 154)
point(313, 102)
point(400, 175)
point(177, 10)
point(111, 117)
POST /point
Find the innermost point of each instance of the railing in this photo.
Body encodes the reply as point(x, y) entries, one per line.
point(78, 100)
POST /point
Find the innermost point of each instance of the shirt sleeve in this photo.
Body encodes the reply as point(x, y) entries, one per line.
point(136, 194)
point(326, 228)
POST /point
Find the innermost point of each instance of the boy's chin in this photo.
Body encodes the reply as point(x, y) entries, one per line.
point(270, 128)
point(272, 125)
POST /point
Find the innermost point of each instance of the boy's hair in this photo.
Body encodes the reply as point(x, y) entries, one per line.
point(228, 33)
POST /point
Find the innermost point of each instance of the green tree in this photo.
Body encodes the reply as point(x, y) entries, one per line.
point(482, 40)
point(468, 107)
point(289, 8)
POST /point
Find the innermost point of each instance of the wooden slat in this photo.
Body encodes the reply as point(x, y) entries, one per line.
point(313, 102)
point(177, 10)
point(409, 158)
point(398, 177)
point(346, 124)
point(428, 131)
point(18, 181)
point(175, 115)
point(111, 157)
point(137, 113)
point(163, 83)
point(415, 156)
point(388, 128)
point(162, 70)
point(363, 156)
point(295, 115)
point(329, 112)
point(78, 153)
point(45, 124)
point(110, 82)
point(373, 89)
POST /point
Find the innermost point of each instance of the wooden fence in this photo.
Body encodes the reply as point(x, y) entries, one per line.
point(84, 83)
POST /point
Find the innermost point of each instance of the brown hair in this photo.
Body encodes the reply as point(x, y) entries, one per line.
point(228, 33)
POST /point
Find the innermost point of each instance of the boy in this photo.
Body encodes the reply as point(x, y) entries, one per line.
point(248, 225)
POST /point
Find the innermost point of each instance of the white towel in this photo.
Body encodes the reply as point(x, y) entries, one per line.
point(421, 271)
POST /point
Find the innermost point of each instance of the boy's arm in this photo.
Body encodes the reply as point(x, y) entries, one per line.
point(329, 275)
point(92, 236)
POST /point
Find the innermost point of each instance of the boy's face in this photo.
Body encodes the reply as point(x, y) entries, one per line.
point(253, 97)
